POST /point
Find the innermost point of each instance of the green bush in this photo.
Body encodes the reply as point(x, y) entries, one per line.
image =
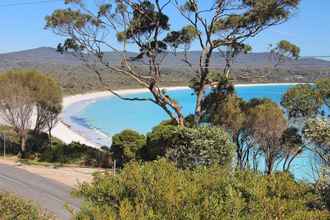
point(159, 190)
point(12, 207)
point(126, 146)
point(76, 153)
point(158, 142)
point(36, 143)
point(189, 147)
point(203, 146)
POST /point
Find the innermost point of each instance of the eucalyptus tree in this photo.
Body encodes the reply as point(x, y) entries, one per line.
point(224, 25)
point(323, 86)
point(145, 26)
point(139, 24)
point(266, 123)
point(16, 105)
point(21, 93)
point(284, 51)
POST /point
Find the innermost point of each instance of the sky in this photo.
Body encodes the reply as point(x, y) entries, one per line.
point(23, 27)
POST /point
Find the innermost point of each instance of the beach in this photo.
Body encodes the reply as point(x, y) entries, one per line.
point(68, 131)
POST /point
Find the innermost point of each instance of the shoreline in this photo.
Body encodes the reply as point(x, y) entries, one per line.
point(68, 131)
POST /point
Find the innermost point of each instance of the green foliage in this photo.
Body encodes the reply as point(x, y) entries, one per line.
point(317, 131)
point(266, 123)
point(23, 90)
point(126, 146)
point(35, 143)
point(189, 147)
point(202, 146)
point(12, 207)
point(225, 111)
point(76, 153)
point(159, 190)
point(323, 86)
point(302, 101)
point(323, 186)
point(283, 51)
point(158, 141)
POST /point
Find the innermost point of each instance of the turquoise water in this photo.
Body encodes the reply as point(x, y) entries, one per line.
point(112, 115)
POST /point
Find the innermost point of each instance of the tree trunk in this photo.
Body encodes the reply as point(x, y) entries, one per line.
point(50, 137)
point(23, 146)
point(269, 165)
point(198, 107)
point(204, 65)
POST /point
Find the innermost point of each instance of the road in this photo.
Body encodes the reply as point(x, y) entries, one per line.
point(48, 194)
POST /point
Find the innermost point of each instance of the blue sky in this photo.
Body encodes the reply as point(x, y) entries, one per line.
point(23, 27)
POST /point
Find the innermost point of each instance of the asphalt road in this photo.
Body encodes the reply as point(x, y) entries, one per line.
point(48, 194)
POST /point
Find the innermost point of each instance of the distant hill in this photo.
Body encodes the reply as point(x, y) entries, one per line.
point(75, 77)
point(49, 56)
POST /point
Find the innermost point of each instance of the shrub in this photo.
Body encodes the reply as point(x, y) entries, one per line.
point(76, 153)
point(126, 146)
point(12, 207)
point(158, 141)
point(159, 190)
point(203, 146)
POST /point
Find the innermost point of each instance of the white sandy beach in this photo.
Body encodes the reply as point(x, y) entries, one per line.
point(64, 132)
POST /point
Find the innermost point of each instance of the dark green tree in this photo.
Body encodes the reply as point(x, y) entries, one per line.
point(126, 146)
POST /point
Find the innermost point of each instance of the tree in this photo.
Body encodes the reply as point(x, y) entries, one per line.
point(158, 142)
point(302, 101)
point(266, 124)
point(145, 26)
point(284, 51)
point(293, 146)
point(51, 114)
point(139, 23)
point(226, 111)
point(323, 86)
point(16, 105)
point(48, 98)
point(318, 132)
point(225, 26)
point(126, 146)
point(22, 91)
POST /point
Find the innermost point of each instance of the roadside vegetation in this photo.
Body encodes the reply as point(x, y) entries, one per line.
point(38, 151)
point(12, 207)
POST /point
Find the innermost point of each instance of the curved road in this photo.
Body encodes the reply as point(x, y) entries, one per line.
point(48, 194)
